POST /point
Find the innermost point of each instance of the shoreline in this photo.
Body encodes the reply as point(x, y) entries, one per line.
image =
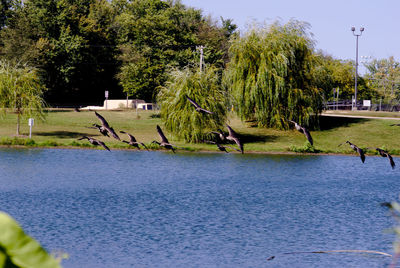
point(61, 147)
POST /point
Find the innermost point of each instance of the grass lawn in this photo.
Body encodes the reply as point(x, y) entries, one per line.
point(64, 127)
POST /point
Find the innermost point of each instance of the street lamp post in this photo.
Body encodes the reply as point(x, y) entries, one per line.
point(353, 29)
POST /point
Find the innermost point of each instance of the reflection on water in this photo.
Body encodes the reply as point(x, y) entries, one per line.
point(154, 209)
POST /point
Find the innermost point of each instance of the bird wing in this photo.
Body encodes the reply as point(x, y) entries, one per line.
point(103, 144)
point(131, 137)
point(103, 121)
point(233, 148)
point(232, 133)
point(206, 111)
point(112, 131)
point(361, 153)
point(239, 144)
point(308, 135)
point(84, 137)
point(163, 138)
point(391, 161)
point(141, 143)
point(193, 102)
point(233, 136)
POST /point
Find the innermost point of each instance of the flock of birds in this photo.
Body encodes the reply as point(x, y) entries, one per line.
point(106, 130)
point(232, 136)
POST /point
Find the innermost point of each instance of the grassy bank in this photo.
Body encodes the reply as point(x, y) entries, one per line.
point(62, 128)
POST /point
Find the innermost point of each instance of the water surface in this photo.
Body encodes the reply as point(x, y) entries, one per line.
point(156, 209)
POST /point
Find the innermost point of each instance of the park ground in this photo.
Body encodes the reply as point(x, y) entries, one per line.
point(63, 127)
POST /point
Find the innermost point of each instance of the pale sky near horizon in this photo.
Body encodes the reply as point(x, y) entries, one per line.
point(330, 22)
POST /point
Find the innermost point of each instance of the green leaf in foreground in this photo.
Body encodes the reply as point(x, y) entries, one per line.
point(17, 249)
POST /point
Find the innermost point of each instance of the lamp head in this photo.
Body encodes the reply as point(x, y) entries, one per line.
point(353, 29)
point(362, 29)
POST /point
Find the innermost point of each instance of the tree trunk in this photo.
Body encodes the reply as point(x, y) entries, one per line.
point(18, 121)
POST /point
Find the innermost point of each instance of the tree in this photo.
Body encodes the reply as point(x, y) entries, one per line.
point(6, 11)
point(179, 115)
point(21, 91)
point(270, 75)
point(155, 36)
point(72, 42)
point(330, 73)
point(384, 77)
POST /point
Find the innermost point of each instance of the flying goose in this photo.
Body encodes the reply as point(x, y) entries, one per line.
point(303, 130)
point(95, 142)
point(164, 141)
point(384, 153)
point(232, 136)
point(102, 130)
point(133, 141)
point(198, 108)
point(357, 149)
point(106, 126)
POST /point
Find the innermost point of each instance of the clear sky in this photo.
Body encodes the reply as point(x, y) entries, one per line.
point(330, 21)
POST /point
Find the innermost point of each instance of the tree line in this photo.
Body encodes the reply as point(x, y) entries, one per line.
point(85, 47)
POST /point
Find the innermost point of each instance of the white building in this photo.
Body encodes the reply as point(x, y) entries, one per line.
point(122, 104)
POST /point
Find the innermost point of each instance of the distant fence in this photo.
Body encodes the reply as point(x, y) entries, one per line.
point(346, 105)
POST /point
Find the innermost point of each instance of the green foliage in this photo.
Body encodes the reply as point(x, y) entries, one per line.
point(17, 249)
point(270, 74)
point(307, 148)
point(50, 143)
point(85, 47)
point(384, 78)
point(155, 36)
point(71, 41)
point(17, 141)
point(179, 115)
point(21, 90)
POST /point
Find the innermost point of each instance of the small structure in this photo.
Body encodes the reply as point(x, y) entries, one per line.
point(145, 106)
point(122, 104)
point(118, 104)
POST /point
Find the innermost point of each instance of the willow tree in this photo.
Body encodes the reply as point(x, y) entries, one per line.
point(271, 75)
point(179, 115)
point(21, 91)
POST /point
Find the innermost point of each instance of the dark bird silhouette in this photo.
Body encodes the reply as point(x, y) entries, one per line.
point(102, 130)
point(198, 108)
point(357, 149)
point(395, 125)
point(164, 141)
point(95, 142)
point(232, 136)
point(221, 134)
point(106, 126)
point(384, 153)
point(387, 205)
point(222, 148)
point(303, 130)
point(132, 141)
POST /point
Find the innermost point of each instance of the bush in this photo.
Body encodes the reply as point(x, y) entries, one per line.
point(307, 148)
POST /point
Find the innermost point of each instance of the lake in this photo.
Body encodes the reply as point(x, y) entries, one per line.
point(158, 209)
